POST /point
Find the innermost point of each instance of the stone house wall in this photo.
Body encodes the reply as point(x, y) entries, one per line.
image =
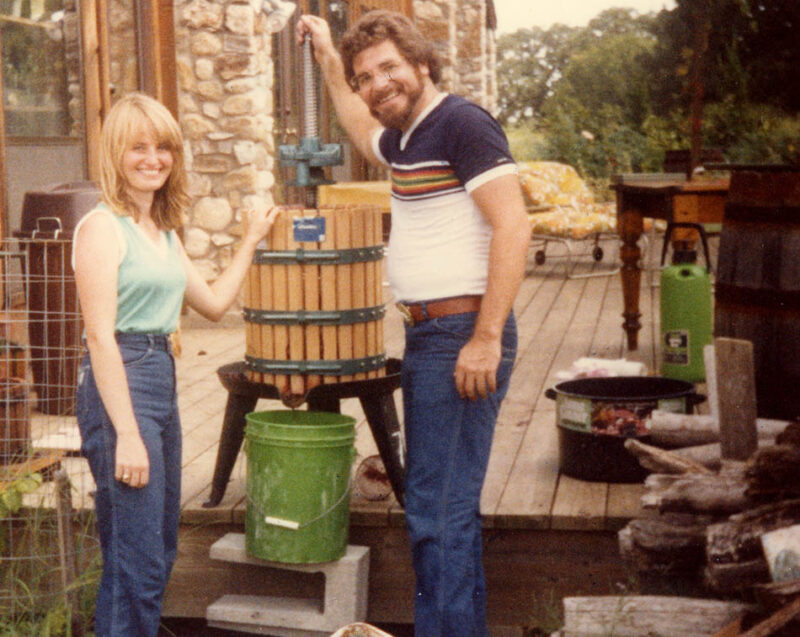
point(225, 78)
point(467, 46)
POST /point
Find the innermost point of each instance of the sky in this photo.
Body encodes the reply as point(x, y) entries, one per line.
point(519, 14)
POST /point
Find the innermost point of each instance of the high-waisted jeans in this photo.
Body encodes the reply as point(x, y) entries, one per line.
point(138, 528)
point(448, 440)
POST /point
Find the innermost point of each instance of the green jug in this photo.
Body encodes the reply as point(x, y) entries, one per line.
point(686, 310)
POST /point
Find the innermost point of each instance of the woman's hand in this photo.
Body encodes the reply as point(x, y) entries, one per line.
point(212, 301)
point(132, 461)
point(259, 223)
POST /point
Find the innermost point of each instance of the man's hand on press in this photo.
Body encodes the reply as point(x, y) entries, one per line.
point(320, 33)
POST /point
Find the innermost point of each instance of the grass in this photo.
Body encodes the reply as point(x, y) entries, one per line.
point(34, 599)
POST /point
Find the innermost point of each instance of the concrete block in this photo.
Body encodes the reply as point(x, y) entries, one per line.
point(344, 602)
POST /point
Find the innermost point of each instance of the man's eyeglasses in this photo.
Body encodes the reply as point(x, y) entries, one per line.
point(362, 82)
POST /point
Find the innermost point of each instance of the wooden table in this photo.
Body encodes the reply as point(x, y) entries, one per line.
point(660, 196)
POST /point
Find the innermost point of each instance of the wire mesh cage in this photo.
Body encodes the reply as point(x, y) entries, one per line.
point(49, 555)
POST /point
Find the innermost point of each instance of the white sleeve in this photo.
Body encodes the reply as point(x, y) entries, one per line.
point(376, 146)
point(122, 246)
point(485, 177)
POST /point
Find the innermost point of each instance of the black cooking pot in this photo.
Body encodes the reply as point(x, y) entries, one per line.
point(595, 416)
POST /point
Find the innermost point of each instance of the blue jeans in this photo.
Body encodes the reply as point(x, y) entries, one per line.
point(448, 440)
point(138, 528)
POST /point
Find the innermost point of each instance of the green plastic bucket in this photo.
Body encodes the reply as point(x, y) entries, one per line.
point(298, 485)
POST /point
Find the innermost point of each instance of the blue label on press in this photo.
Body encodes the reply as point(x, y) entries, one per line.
point(309, 229)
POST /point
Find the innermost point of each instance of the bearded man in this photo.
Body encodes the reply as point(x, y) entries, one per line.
point(455, 262)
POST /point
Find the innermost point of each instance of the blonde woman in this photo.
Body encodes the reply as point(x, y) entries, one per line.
point(133, 275)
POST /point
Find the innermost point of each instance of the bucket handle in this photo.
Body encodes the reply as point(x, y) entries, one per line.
point(682, 224)
point(292, 524)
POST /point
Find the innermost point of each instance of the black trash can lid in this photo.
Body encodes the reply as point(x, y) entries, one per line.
point(57, 208)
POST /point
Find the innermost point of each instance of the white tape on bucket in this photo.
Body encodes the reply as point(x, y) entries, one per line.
point(288, 524)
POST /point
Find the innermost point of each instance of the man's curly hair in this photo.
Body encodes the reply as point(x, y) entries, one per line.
point(380, 25)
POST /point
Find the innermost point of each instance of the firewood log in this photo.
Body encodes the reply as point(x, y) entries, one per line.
point(773, 473)
point(735, 577)
point(736, 393)
point(666, 544)
point(776, 621)
point(662, 461)
point(684, 430)
point(710, 455)
point(656, 481)
point(774, 595)
point(633, 615)
point(722, 493)
point(738, 539)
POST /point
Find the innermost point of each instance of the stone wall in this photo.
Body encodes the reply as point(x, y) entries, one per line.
point(467, 47)
point(225, 78)
point(436, 20)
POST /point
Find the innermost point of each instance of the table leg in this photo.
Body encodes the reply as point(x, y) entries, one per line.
point(630, 225)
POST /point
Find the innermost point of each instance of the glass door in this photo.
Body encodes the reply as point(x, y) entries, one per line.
point(42, 100)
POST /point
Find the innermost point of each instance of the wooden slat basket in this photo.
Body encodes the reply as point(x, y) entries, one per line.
point(314, 299)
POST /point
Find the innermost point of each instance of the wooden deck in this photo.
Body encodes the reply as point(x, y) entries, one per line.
point(546, 535)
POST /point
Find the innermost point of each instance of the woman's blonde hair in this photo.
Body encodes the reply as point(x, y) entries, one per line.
point(132, 116)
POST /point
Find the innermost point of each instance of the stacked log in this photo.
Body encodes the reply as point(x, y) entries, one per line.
point(709, 524)
point(314, 300)
point(735, 558)
point(633, 616)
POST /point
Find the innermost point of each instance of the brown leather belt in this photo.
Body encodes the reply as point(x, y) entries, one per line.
point(417, 312)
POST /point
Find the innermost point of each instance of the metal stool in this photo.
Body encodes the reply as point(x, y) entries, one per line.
point(375, 395)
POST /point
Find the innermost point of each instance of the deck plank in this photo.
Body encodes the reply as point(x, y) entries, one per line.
point(527, 500)
point(547, 318)
point(533, 304)
point(559, 320)
point(624, 502)
point(579, 505)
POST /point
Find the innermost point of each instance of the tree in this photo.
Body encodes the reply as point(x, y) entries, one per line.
point(530, 61)
point(596, 114)
point(613, 96)
point(752, 53)
point(746, 82)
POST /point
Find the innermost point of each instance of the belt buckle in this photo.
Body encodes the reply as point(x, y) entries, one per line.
point(405, 312)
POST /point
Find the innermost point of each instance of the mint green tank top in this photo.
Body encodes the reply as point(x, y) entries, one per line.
point(150, 283)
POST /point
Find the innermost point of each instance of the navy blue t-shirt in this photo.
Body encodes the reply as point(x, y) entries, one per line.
point(439, 244)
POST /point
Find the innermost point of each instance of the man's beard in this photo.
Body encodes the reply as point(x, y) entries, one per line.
point(400, 119)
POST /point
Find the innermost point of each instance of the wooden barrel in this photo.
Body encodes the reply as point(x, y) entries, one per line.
point(757, 290)
point(314, 299)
